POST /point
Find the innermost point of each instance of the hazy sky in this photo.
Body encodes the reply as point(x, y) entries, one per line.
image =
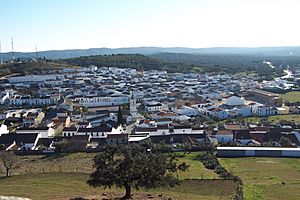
point(70, 24)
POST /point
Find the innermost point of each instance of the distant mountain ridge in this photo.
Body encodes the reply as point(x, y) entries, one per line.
point(71, 53)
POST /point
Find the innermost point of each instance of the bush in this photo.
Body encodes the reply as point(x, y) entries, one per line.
point(209, 161)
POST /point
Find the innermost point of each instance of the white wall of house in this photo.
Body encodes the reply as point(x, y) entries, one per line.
point(224, 138)
point(18, 101)
point(185, 110)
point(261, 110)
point(155, 106)
point(68, 133)
point(94, 134)
point(103, 101)
point(3, 129)
point(245, 111)
point(31, 78)
point(182, 131)
point(220, 114)
point(42, 133)
point(160, 132)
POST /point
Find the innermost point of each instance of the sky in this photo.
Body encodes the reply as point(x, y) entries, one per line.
point(81, 24)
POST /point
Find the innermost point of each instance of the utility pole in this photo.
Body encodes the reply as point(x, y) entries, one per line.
point(12, 50)
point(36, 53)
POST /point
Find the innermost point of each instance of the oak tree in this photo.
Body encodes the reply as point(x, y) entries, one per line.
point(134, 166)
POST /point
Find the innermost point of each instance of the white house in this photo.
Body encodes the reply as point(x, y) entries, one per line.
point(218, 113)
point(262, 110)
point(31, 78)
point(43, 132)
point(3, 129)
point(98, 101)
point(182, 130)
point(186, 110)
point(224, 136)
point(18, 100)
point(155, 106)
point(234, 101)
point(95, 132)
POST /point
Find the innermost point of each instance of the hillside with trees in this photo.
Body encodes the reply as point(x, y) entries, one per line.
point(234, 63)
point(174, 62)
point(25, 67)
point(137, 61)
point(71, 53)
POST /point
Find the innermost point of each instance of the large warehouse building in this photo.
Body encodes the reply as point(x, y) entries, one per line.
point(257, 152)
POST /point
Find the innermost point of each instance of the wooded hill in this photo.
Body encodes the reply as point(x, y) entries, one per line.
point(137, 61)
point(25, 67)
point(171, 62)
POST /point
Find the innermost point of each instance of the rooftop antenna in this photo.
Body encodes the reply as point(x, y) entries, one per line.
point(36, 52)
point(1, 62)
point(12, 50)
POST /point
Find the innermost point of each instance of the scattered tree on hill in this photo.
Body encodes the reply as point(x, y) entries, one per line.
point(2, 147)
point(264, 121)
point(285, 142)
point(9, 161)
point(134, 166)
point(120, 116)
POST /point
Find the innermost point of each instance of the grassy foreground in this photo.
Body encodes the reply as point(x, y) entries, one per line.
point(267, 178)
point(291, 97)
point(71, 185)
point(64, 177)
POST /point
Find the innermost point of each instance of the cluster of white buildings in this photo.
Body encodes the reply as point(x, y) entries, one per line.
point(162, 105)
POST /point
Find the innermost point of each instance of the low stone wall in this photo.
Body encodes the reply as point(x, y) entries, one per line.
point(13, 198)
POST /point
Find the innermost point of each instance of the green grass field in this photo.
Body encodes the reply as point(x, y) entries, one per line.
point(64, 177)
point(71, 185)
point(275, 119)
point(291, 96)
point(267, 178)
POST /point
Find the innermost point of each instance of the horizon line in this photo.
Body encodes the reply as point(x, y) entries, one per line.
point(129, 47)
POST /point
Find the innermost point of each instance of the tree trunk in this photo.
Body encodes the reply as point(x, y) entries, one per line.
point(7, 172)
point(128, 191)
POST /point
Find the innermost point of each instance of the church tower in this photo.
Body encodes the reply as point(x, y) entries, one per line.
point(132, 105)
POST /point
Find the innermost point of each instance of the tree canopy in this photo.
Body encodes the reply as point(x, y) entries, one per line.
point(9, 161)
point(134, 166)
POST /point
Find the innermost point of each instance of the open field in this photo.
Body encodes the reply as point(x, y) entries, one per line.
point(83, 163)
point(71, 185)
point(275, 119)
point(291, 96)
point(64, 176)
point(267, 178)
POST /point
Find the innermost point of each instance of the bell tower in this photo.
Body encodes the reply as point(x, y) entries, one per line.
point(132, 105)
